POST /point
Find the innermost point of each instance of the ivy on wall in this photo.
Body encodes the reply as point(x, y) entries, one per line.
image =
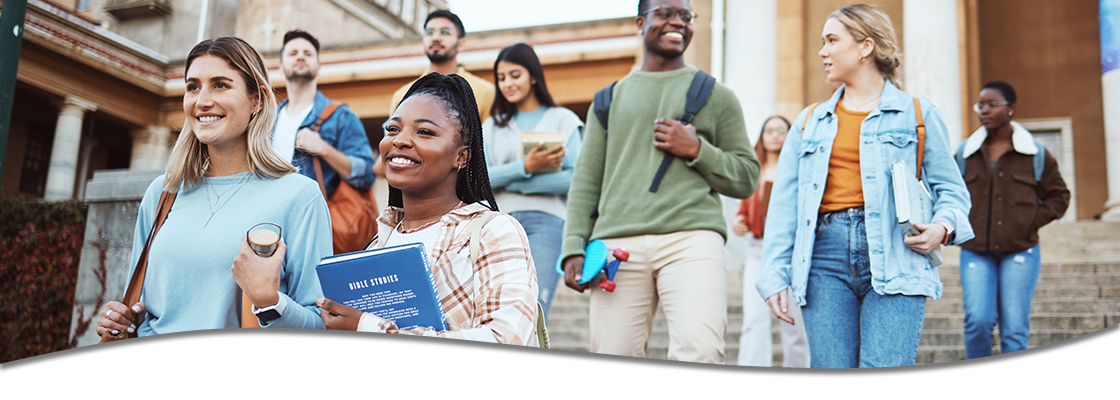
point(40, 246)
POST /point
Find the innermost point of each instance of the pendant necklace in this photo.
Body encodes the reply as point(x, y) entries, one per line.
point(218, 197)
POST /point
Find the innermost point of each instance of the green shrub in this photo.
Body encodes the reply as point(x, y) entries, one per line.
point(40, 246)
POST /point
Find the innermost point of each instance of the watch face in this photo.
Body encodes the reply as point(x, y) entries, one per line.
point(268, 315)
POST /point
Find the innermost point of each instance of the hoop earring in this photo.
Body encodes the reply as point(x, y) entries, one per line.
point(861, 58)
point(1011, 114)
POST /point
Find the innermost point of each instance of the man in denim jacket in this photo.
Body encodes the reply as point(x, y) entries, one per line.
point(341, 142)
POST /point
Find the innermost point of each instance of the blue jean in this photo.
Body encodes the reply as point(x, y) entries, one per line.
point(849, 325)
point(545, 232)
point(998, 284)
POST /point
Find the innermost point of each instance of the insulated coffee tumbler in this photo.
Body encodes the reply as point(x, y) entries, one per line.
point(264, 238)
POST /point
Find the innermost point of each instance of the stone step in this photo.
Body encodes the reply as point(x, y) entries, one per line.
point(939, 354)
point(1052, 292)
point(1038, 305)
point(1039, 321)
point(953, 270)
point(936, 337)
point(1077, 279)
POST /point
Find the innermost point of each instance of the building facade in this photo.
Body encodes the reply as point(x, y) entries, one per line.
point(100, 81)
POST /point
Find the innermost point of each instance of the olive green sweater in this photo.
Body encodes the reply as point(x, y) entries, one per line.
point(615, 170)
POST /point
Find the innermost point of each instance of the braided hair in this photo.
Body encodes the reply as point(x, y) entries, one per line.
point(473, 183)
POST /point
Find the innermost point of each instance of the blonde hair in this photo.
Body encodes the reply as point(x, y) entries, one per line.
point(190, 160)
point(865, 21)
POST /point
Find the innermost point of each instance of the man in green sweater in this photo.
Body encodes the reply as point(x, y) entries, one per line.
point(675, 235)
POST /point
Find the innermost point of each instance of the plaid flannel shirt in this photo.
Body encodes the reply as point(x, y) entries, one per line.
point(494, 301)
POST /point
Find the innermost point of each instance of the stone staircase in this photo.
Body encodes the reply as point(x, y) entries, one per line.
point(1078, 292)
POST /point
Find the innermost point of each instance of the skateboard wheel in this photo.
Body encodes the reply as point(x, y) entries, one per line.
point(621, 254)
point(607, 285)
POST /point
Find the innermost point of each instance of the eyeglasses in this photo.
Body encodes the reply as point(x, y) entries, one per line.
point(667, 13)
point(779, 130)
point(978, 107)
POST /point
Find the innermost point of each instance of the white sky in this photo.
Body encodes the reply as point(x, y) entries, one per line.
point(485, 15)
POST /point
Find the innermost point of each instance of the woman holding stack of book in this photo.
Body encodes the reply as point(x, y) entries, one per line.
point(531, 150)
point(832, 232)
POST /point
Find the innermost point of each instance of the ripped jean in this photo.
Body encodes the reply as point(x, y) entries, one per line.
point(998, 284)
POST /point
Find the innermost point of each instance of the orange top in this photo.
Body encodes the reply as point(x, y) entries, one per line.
point(844, 187)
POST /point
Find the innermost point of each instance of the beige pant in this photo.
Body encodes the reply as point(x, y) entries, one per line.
point(756, 343)
point(685, 272)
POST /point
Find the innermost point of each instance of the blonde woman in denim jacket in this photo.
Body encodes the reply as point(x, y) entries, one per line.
point(861, 281)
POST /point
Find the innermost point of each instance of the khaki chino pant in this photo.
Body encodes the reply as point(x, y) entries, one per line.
point(685, 272)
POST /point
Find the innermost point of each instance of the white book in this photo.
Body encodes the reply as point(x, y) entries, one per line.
point(913, 204)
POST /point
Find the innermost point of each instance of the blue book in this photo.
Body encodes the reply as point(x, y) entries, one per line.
point(394, 283)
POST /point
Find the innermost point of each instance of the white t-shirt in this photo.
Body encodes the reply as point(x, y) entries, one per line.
point(287, 125)
point(427, 236)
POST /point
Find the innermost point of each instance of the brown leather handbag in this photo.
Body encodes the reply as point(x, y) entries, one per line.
point(353, 211)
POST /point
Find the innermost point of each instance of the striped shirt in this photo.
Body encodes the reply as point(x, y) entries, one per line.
point(493, 301)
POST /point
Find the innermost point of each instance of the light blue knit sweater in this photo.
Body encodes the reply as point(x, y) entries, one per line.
point(189, 285)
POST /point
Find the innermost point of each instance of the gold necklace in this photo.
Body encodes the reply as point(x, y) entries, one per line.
point(400, 224)
point(864, 103)
point(218, 197)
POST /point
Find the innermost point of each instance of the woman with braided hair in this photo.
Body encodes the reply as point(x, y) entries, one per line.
point(438, 188)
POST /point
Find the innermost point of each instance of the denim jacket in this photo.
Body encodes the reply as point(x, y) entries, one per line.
point(343, 131)
point(887, 135)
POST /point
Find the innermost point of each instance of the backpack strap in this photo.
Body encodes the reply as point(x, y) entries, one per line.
point(315, 126)
point(603, 104)
point(1039, 160)
point(541, 338)
point(921, 136)
point(698, 94)
point(805, 121)
point(326, 114)
point(476, 234)
point(603, 114)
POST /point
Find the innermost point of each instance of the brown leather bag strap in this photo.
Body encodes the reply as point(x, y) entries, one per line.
point(921, 136)
point(326, 114)
point(136, 284)
point(319, 175)
point(805, 121)
point(323, 116)
point(248, 319)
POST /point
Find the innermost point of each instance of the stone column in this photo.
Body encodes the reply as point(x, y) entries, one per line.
point(931, 64)
point(64, 153)
point(751, 70)
point(150, 147)
point(1110, 81)
point(751, 54)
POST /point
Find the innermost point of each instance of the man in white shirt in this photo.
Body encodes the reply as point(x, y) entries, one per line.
point(341, 141)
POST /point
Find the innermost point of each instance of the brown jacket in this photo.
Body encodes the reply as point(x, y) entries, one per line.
point(1008, 207)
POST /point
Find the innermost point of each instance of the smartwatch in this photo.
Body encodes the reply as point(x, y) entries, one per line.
point(267, 314)
point(950, 233)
